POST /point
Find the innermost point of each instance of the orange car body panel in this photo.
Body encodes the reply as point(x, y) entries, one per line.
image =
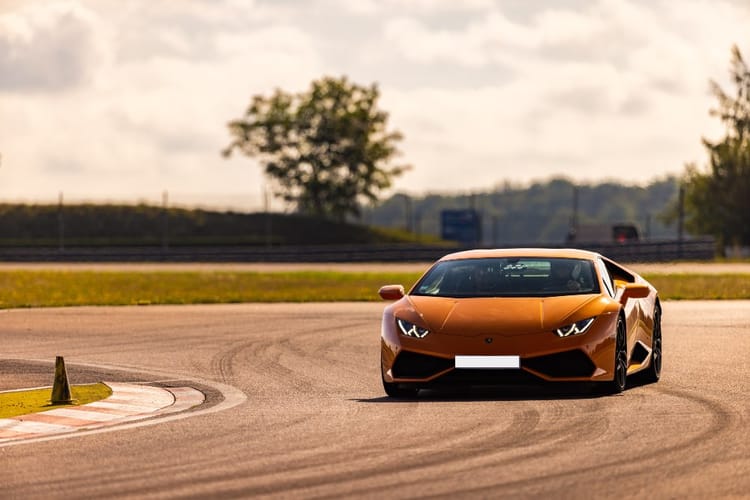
point(522, 326)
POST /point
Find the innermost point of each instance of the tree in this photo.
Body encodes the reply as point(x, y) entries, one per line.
point(717, 201)
point(326, 149)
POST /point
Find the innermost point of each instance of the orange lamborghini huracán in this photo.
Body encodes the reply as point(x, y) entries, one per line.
point(514, 315)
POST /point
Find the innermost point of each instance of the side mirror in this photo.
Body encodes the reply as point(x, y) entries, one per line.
point(634, 291)
point(391, 292)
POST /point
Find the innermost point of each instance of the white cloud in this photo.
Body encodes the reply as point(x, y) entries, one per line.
point(421, 45)
point(112, 99)
point(614, 90)
point(370, 7)
point(565, 27)
point(47, 47)
point(145, 122)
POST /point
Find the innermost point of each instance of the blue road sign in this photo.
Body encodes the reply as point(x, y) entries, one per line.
point(463, 226)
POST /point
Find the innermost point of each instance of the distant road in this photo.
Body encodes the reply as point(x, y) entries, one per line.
point(645, 268)
point(316, 423)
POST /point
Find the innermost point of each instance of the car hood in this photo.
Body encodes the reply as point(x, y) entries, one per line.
point(500, 315)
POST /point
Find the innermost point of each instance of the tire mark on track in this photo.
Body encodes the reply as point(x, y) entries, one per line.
point(634, 466)
point(620, 469)
point(267, 352)
point(463, 448)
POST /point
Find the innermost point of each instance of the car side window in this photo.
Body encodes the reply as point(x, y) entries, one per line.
point(606, 277)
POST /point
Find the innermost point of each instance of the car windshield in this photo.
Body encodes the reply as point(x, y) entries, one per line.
point(509, 277)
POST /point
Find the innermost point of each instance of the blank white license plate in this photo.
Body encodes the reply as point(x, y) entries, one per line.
point(488, 362)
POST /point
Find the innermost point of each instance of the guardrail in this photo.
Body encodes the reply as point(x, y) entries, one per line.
point(656, 251)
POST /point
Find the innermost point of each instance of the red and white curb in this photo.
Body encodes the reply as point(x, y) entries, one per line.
point(128, 402)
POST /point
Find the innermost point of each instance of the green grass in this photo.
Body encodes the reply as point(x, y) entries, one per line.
point(701, 286)
point(17, 403)
point(74, 288)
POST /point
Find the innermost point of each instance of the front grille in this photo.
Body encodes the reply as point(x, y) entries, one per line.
point(562, 364)
point(487, 377)
point(414, 365)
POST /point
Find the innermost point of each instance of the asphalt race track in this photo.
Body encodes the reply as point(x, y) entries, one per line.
point(316, 423)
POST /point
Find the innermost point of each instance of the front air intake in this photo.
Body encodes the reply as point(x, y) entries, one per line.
point(568, 364)
point(414, 365)
point(639, 354)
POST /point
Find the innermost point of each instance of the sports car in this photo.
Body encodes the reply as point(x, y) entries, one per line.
point(511, 316)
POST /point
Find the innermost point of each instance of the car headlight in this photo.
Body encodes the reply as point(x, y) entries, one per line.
point(410, 329)
point(574, 328)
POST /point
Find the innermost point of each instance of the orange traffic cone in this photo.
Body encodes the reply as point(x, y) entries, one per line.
point(61, 387)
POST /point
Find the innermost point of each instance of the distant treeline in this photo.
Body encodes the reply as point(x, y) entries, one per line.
point(540, 213)
point(89, 224)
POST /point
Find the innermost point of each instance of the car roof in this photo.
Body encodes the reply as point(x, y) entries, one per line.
point(563, 253)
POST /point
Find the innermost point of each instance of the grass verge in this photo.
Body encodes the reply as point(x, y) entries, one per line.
point(72, 288)
point(75, 288)
point(17, 403)
point(701, 286)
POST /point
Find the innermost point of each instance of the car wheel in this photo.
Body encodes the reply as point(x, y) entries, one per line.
point(398, 391)
point(621, 360)
point(653, 372)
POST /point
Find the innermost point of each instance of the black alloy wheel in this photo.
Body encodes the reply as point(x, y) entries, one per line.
point(653, 372)
point(621, 359)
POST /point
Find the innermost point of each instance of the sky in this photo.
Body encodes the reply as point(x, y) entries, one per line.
point(122, 100)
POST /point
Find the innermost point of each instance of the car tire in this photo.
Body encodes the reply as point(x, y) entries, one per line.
point(398, 391)
point(620, 371)
point(653, 372)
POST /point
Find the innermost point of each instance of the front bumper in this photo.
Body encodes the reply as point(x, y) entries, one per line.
point(413, 366)
point(543, 355)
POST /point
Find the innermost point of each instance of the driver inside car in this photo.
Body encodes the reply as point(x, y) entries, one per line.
point(564, 275)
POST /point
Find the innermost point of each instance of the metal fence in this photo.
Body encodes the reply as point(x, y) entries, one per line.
point(650, 251)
